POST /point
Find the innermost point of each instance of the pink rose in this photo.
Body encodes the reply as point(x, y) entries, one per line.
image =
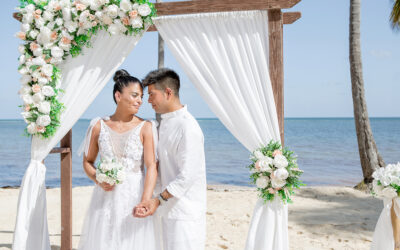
point(125, 21)
point(58, 7)
point(133, 14)
point(21, 35)
point(271, 191)
point(33, 46)
point(27, 108)
point(38, 11)
point(54, 35)
point(41, 129)
point(36, 88)
point(80, 6)
point(257, 165)
point(276, 152)
point(65, 40)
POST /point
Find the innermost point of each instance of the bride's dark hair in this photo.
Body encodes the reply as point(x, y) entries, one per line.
point(123, 79)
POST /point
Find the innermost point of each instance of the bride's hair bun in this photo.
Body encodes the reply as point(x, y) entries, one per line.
point(122, 79)
point(119, 74)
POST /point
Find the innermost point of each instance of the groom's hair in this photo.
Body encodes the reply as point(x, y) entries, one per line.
point(162, 79)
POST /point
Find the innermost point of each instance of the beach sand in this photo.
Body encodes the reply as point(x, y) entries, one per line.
point(319, 218)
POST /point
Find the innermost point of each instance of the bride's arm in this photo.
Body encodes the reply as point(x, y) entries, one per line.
point(149, 161)
point(90, 158)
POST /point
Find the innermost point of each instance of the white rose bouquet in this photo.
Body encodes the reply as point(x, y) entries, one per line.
point(386, 182)
point(110, 171)
point(275, 172)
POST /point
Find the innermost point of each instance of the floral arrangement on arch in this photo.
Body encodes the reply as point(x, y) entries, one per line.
point(275, 172)
point(386, 181)
point(54, 29)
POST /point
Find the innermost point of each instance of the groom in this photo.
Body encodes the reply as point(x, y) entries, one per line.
point(181, 166)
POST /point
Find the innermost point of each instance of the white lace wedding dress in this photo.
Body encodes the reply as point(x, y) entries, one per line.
point(109, 223)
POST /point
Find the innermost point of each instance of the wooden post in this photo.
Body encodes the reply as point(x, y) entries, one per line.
point(66, 193)
point(161, 58)
point(275, 29)
point(396, 226)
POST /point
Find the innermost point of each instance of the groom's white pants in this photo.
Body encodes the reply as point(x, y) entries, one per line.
point(184, 234)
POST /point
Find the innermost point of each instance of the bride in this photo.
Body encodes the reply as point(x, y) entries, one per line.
point(128, 139)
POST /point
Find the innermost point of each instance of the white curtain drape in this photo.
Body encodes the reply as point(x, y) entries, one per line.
point(82, 79)
point(225, 55)
point(383, 234)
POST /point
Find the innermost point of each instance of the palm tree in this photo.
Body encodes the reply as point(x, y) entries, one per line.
point(369, 156)
point(395, 15)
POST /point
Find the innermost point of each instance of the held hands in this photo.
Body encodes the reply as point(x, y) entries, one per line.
point(105, 186)
point(146, 208)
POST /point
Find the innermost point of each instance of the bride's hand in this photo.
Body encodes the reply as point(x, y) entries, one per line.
point(105, 186)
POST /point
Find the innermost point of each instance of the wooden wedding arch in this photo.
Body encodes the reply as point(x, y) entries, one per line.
point(276, 20)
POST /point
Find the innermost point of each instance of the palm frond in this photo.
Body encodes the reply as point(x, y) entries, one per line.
point(395, 15)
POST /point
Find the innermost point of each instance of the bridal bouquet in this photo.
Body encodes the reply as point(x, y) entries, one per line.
point(387, 181)
point(110, 171)
point(275, 172)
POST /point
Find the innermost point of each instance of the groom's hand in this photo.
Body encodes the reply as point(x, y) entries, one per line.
point(146, 208)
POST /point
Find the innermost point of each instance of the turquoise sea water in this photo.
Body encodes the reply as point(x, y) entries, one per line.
point(326, 148)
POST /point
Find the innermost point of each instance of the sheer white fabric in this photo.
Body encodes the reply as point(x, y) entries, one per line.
point(225, 57)
point(83, 78)
point(383, 234)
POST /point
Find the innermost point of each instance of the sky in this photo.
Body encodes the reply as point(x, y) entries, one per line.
point(316, 64)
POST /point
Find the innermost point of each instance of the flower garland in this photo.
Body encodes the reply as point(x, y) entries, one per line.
point(386, 182)
point(54, 29)
point(275, 172)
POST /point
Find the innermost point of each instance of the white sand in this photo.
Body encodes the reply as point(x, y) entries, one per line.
point(320, 218)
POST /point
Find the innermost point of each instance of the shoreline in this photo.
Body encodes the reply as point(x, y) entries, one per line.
point(322, 217)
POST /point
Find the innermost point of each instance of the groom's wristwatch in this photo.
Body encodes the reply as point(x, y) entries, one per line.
point(162, 199)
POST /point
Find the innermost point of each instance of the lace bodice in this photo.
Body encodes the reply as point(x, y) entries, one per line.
point(125, 147)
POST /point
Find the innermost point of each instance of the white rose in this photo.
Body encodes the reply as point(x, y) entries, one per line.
point(281, 173)
point(21, 49)
point(48, 16)
point(25, 27)
point(25, 90)
point(277, 183)
point(71, 26)
point(258, 154)
point(377, 188)
point(280, 161)
point(38, 97)
point(23, 71)
point(144, 10)
point(66, 13)
point(44, 107)
point(42, 80)
point(44, 36)
point(125, 5)
point(38, 52)
point(262, 182)
point(65, 47)
point(137, 22)
point(106, 166)
point(110, 180)
point(65, 3)
point(25, 79)
point(48, 91)
point(31, 128)
point(100, 177)
point(264, 164)
point(59, 22)
point(39, 23)
point(36, 74)
point(43, 120)
point(33, 33)
point(51, 25)
point(112, 10)
point(27, 98)
point(27, 18)
point(21, 59)
point(57, 52)
point(114, 29)
point(47, 69)
point(389, 192)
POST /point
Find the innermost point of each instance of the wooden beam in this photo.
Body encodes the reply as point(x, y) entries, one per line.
point(288, 18)
point(275, 29)
point(58, 150)
point(202, 6)
point(66, 193)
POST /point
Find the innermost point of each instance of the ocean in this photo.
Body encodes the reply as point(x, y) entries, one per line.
point(326, 148)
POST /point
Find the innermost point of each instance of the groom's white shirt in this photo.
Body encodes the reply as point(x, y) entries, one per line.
point(182, 165)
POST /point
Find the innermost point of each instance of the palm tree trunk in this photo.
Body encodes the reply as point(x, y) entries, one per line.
point(369, 156)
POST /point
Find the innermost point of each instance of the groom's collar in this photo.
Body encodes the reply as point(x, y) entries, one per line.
point(175, 113)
